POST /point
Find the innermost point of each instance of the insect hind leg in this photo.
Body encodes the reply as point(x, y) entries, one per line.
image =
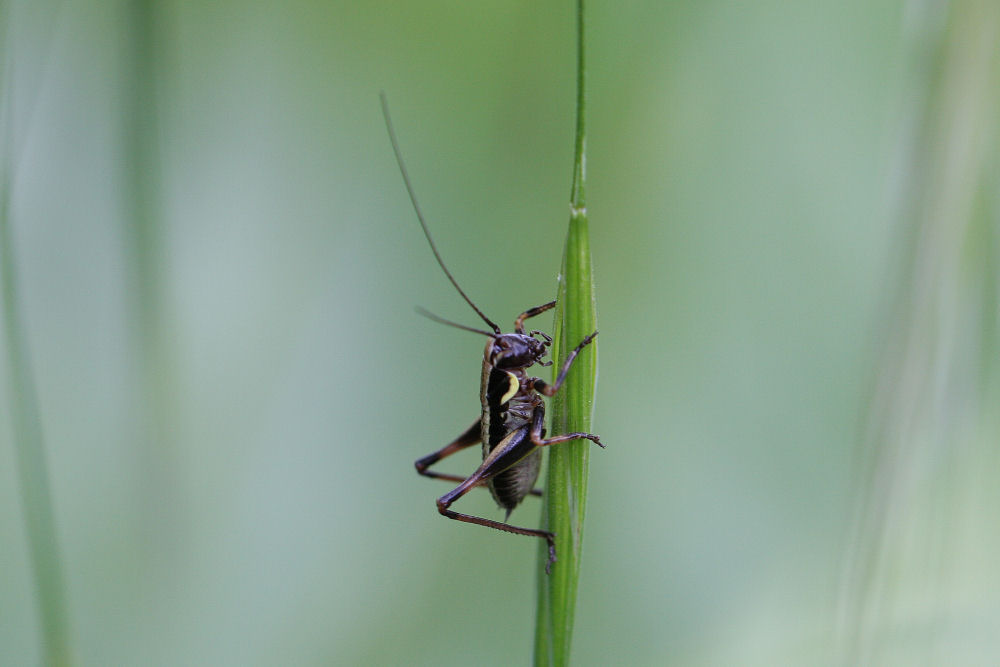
point(470, 437)
point(511, 450)
point(445, 502)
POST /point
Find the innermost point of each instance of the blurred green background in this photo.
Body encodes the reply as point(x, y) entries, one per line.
point(794, 225)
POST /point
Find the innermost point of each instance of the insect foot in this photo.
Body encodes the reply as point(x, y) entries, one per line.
point(551, 539)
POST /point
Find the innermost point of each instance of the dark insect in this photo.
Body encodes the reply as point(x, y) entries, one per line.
point(511, 426)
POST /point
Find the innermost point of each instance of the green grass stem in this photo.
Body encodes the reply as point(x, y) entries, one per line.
point(571, 410)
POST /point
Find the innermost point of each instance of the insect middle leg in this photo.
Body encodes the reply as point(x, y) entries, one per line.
point(538, 433)
point(470, 437)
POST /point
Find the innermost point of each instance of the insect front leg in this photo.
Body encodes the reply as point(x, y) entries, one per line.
point(531, 312)
point(509, 451)
point(544, 387)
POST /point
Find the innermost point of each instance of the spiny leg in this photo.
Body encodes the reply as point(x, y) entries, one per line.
point(544, 387)
point(550, 538)
point(470, 437)
point(510, 450)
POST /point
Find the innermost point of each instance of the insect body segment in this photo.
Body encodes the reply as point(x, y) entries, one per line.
point(511, 425)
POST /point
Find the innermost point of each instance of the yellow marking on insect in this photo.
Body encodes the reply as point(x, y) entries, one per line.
point(511, 389)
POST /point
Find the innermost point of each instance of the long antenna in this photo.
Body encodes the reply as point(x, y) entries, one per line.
point(440, 320)
point(420, 216)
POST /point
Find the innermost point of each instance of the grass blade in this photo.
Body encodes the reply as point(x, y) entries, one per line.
point(571, 410)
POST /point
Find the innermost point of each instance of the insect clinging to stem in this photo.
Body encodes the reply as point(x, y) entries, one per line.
point(511, 426)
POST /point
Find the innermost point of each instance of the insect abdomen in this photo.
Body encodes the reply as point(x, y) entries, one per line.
point(511, 486)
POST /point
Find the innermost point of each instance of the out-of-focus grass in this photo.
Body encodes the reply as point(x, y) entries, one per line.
point(151, 328)
point(26, 422)
point(923, 486)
